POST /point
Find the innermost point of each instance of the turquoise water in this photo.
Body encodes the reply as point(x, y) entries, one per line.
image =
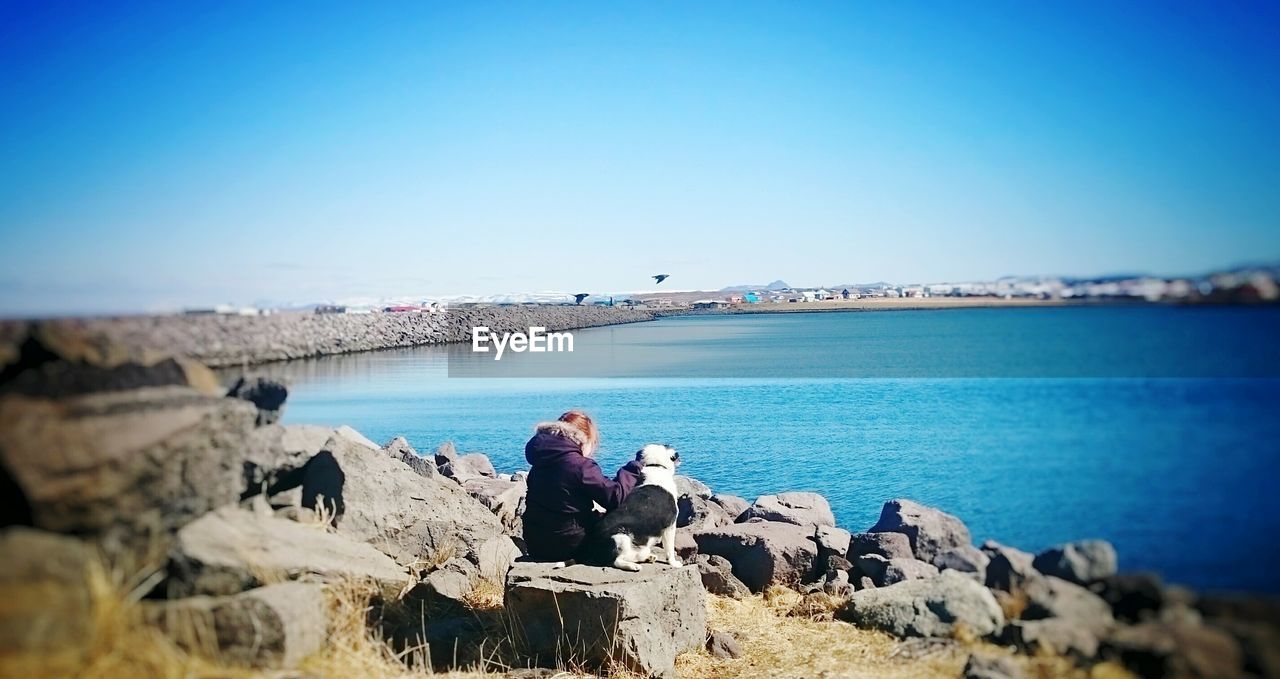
point(1174, 460)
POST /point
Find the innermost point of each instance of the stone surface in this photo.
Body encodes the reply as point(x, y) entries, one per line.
point(799, 508)
point(603, 616)
point(930, 531)
point(1080, 562)
point(495, 556)
point(374, 499)
point(723, 645)
point(399, 449)
point(1008, 568)
point(763, 553)
point(272, 627)
point(265, 393)
point(926, 608)
point(717, 576)
point(277, 454)
point(1050, 597)
point(687, 486)
point(125, 468)
point(506, 499)
point(477, 464)
point(900, 570)
point(732, 505)
point(1054, 636)
point(980, 666)
point(887, 545)
point(966, 559)
point(45, 603)
point(833, 543)
point(698, 513)
point(1133, 597)
point(232, 550)
point(1154, 649)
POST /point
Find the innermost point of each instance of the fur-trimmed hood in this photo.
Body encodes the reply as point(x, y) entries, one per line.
point(563, 430)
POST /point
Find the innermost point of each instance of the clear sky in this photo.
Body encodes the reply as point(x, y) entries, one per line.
point(167, 154)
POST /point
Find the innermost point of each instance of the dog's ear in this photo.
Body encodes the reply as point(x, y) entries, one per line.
point(675, 455)
point(640, 454)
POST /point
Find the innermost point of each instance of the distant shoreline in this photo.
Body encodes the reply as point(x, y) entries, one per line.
point(893, 304)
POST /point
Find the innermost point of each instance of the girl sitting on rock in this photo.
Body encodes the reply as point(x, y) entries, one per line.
point(564, 482)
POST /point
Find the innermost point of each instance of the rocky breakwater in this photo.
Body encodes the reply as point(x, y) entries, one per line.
point(223, 340)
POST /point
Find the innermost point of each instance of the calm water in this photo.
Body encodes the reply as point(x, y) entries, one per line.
point(1155, 438)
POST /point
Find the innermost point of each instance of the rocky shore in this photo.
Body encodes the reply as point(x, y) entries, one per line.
point(223, 340)
point(242, 543)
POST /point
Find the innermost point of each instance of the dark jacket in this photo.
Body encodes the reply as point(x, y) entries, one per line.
point(563, 484)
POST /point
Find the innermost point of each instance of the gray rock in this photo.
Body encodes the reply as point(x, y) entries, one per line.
point(837, 584)
point(232, 550)
point(764, 553)
point(273, 627)
point(872, 566)
point(833, 543)
point(1009, 568)
point(717, 576)
point(732, 505)
point(865, 582)
point(1053, 636)
point(931, 531)
point(346, 432)
point(887, 545)
point(1156, 649)
point(799, 508)
point(723, 645)
point(127, 468)
point(374, 499)
point(1050, 597)
point(698, 513)
point(477, 464)
point(399, 449)
point(687, 486)
point(495, 556)
point(444, 586)
point(900, 570)
point(1080, 562)
point(926, 608)
point(277, 454)
point(1133, 597)
point(47, 605)
point(981, 666)
point(601, 617)
point(966, 559)
point(504, 498)
point(265, 393)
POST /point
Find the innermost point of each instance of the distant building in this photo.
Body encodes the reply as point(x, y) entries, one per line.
point(710, 304)
point(330, 309)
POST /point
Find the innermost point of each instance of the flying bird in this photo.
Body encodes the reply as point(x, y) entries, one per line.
point(660, 277)
point(577, 299)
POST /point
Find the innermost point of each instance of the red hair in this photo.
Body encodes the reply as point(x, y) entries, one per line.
point(583, 423)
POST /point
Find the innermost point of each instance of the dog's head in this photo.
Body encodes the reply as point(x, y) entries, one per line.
point(658, 455)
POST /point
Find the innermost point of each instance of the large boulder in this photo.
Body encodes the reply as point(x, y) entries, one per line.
point(276, 455)
point(1158, 650)
point(126, 468)
point(1008, 568)
point(602, 617)
point(399, 449)
point(926, 608)
point(932, 532)
point(717, 576)
point(966, 559)
point(687, 486)
point(45, 602)
point(272, 627)
point(1050, 597)
point(232, 550)
point(1052, 636)
point(732, 505)
point(799, 508)
point(505, 498)
point(1080, 562)
point(899, 570)
point(887, 545)
point(833, 543)
point(265, 393)
point(763, 553)
point(698, 513)
point(373, 498)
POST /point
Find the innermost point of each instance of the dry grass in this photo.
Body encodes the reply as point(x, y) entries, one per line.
point(486, 594)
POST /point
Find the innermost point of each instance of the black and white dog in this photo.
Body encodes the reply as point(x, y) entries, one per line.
point(627, 536)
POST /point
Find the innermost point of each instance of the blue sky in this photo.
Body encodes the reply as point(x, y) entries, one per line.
point(157, 155)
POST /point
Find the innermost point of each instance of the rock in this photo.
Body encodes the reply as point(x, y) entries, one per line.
point(723, 645)
point(265, 393)
point(991, 667)
point(1133, 597)
point(966, 559)
point(833, 543)
point(399, 449)
point(686, 546)
point(732, 505)
point(272, 627)
point(836, 583)
point(865, 582)
point(687, 486)
point(477, 464)
point(125, 468)
point(445, 585)
point(899, 570)
point(698, 513)
point(374, 499)
point(446, 458)
point(1050, 597)
point(606, 616)
point(764, 553)
point(1053, 636)
point(872, 566)
point(59, 359)
point(232, 550)
point(717, 576)
point(277, 454)
point(504, 498)
point(1080, 562)
point(887, 545)
point(930, 531)
point(495, 556)
point(1154, 649)
point(1008, 568)
point(926, 608)
point(45, 603)
point(346, 432)
point(799, 508)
